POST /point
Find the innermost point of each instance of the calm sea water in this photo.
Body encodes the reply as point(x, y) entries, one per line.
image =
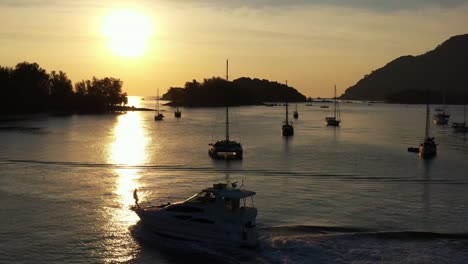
point(351, 194)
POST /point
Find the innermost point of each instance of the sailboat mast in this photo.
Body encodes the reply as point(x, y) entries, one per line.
point(157, 101)
point(335, 101)
point(464, 114)
point(443, 102)
point(287, 112)
point(227, 107)
point(427, 121)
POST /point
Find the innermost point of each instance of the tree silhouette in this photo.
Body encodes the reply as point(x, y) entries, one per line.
point(29, 84)
point(61, 91)
point(28, 88)
point(243, 91)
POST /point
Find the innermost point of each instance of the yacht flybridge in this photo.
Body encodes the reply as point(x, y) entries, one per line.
point(226, 148)
point(220, 214)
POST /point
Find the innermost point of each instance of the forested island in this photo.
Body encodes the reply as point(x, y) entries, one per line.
point(429, 77)
point(28, 88)
point(216, 91)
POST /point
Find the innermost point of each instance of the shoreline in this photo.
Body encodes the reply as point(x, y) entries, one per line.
point(18, 116)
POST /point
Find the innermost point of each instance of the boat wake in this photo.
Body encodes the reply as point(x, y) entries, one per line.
point(315, 244)
point(306, 244)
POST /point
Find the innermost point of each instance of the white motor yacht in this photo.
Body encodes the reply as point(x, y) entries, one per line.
point(222, 214)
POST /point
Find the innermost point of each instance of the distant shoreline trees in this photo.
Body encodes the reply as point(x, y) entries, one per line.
point(28, 88)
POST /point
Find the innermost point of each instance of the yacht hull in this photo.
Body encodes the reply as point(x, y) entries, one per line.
point(227, 155)
point(164, 224)
point(441, 119)
point(296, 115)
point(460, 127)
point(428, 149)
point(287, 130)
point(158, 117)
point(226, 149)
point(331, 121)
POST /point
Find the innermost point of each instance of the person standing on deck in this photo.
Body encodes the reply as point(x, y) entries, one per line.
point(135, 196)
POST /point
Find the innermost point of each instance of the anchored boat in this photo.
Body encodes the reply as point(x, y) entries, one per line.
point(428, 148)
point(158, 116)
point(178, 113)
point(226, 148)
point(335, 119)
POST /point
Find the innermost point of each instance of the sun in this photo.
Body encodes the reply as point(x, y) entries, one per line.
point(127, 32)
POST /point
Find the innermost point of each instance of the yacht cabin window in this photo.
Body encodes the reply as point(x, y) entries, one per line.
point(231, 205)
point(203, 197)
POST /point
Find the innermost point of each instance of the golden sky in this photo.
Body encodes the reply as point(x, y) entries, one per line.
point(312, 44)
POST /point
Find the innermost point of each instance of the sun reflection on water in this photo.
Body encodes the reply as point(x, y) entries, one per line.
point(128, 150)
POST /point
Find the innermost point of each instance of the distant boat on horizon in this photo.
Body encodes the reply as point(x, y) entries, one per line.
point(158, 116)
point(335, 119)
point(178, 113)
point(287, 129)
point(461, 127)
point(441, 117)
point(226, 148)
point(296, 113)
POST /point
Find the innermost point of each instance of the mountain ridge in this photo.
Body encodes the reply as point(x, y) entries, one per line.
point(419, 79)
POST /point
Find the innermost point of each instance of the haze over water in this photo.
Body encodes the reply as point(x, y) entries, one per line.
point(66, 183)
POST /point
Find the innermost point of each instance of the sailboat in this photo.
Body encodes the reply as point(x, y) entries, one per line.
point(226, 148)
point(335, 119)
point(287, 129)
point(461, 127)
point(296, 113)
point(441, 117)
point(158, 116)
point(177, 113)
point(428, 148)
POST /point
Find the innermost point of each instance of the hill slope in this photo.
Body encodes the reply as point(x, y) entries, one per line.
point(409, 79)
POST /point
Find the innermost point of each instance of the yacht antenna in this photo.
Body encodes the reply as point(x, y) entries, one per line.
point(427, 120)
point(335, 101)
